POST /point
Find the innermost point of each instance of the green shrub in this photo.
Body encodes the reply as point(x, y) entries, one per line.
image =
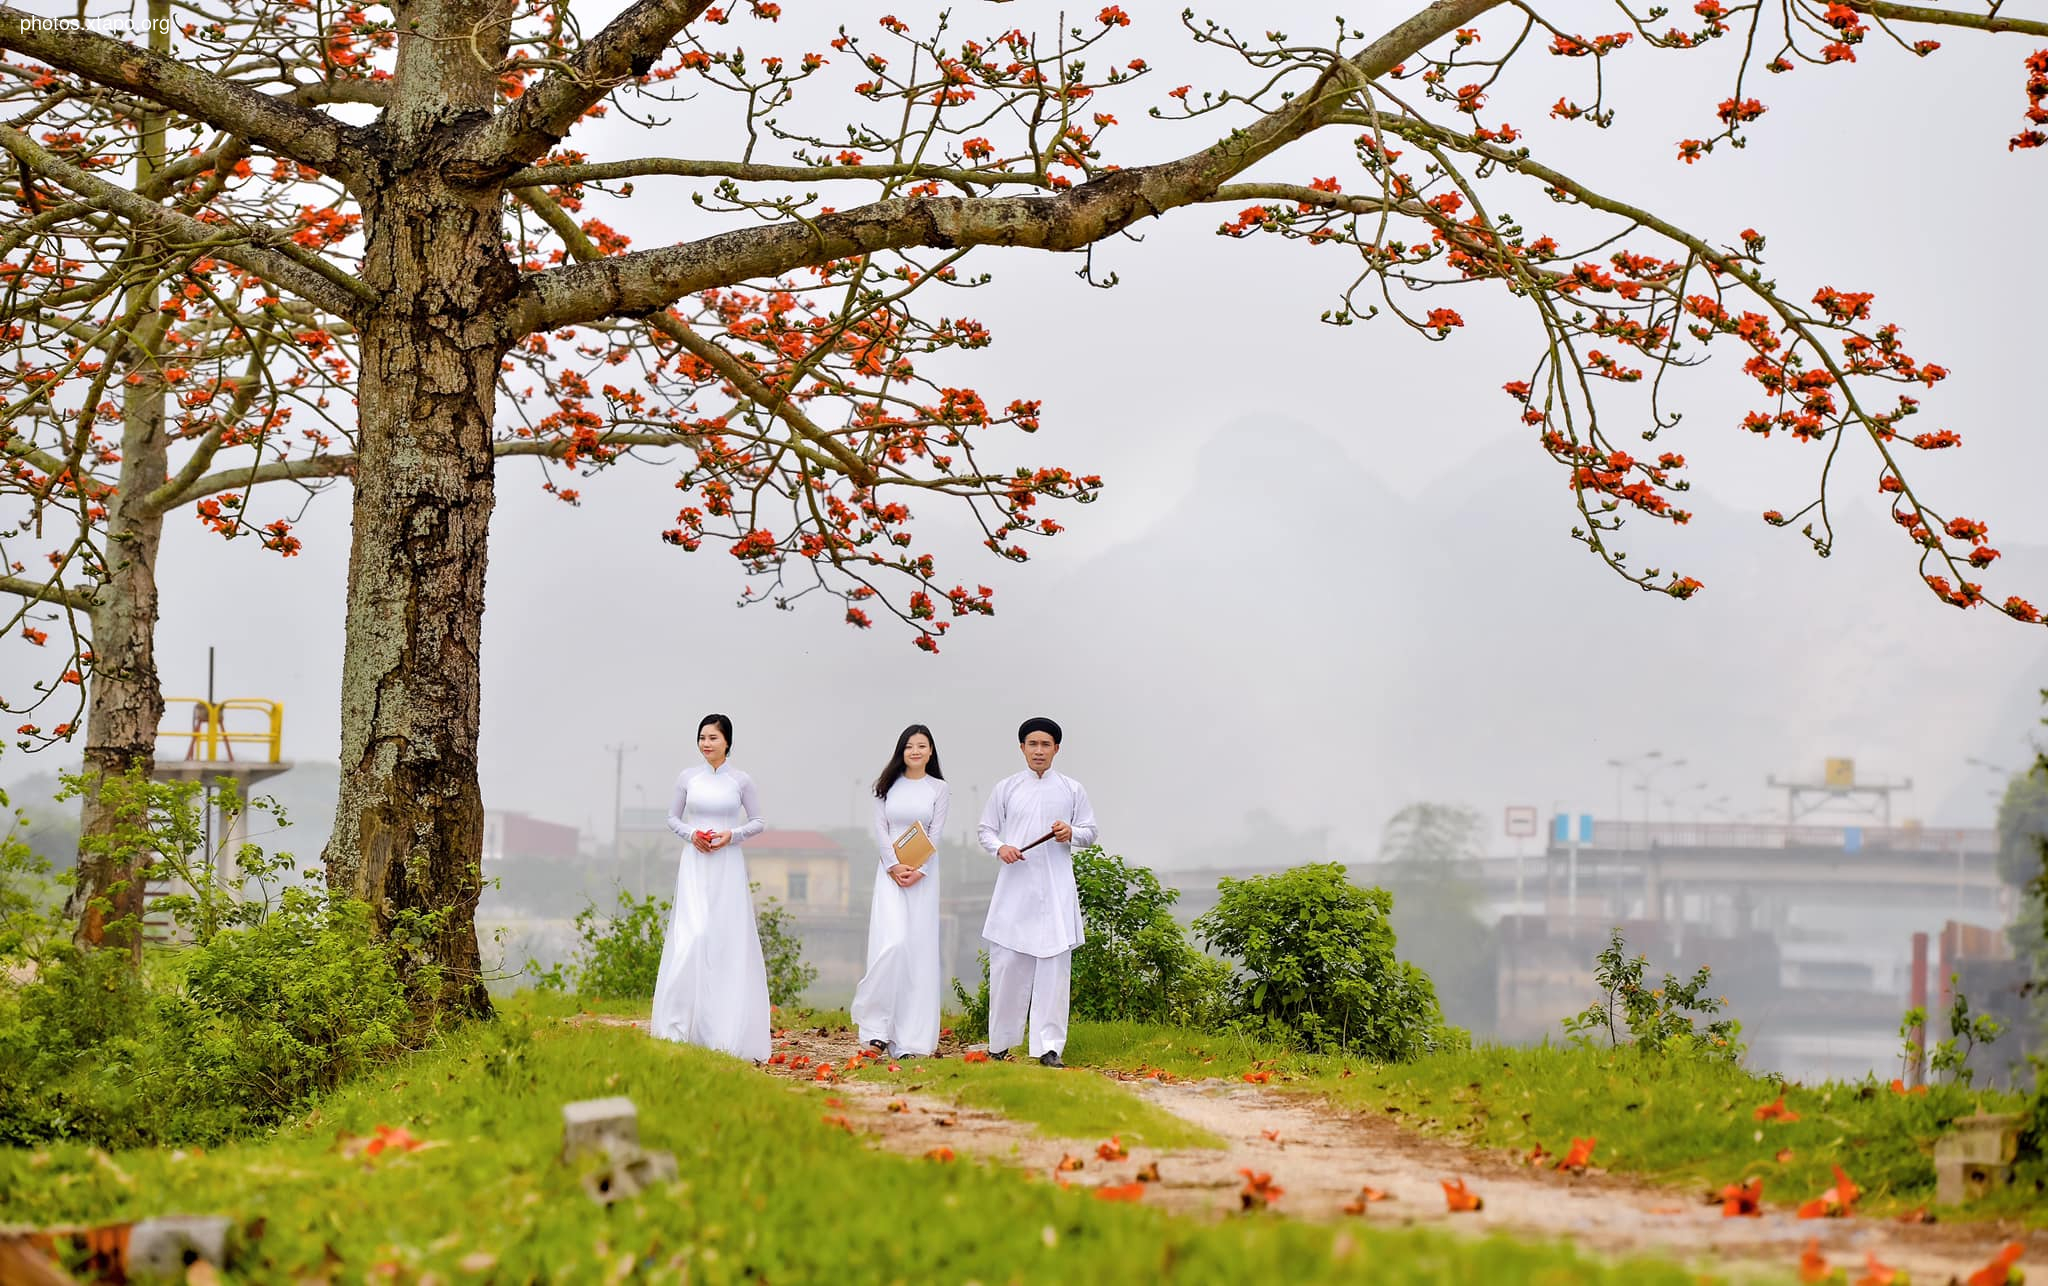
point(280, 999)
point(1137, 963)
point(973, 1021)
point(618, 956)
point(1672, 1018)
point(1316, 966)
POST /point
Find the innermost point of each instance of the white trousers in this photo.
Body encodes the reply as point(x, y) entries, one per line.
point(1018, 984)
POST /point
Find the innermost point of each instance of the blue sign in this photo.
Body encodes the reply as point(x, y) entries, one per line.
point(1561, 828)
point(1852, 839)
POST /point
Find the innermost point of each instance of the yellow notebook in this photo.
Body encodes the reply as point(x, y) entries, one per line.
point(914, 847)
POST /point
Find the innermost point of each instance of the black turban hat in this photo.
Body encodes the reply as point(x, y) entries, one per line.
point(1040, 724)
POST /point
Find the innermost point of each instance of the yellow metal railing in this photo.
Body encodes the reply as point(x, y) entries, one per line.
point(209, 737)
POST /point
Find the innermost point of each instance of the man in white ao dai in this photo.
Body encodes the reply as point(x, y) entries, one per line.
point(1034, 917)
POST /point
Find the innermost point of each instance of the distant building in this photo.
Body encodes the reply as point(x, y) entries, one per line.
point(519, 835)
point(807, 870)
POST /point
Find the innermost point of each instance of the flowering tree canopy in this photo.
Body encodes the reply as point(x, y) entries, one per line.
point(402, 176)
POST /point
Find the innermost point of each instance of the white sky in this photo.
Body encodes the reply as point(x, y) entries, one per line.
point(1331, 573)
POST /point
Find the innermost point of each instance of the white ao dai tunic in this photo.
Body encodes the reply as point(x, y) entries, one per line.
point(712, 988)
point(1036, 910)
point(899, 998)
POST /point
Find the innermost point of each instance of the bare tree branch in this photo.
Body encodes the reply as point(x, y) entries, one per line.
point(542, 117)
point(269, 121)
point(309, 277)
point(312, 468)
point(643, 282)
point(46, 592)
point(677, 167)
point(1986, 22)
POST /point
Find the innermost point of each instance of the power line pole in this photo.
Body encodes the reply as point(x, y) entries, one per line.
point(618, 804)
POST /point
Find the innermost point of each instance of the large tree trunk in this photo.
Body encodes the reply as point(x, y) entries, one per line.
point(408, 827)
point(124, 698)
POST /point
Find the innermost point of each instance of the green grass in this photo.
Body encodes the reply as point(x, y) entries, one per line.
point(766, 1191)
point(1685, 1122)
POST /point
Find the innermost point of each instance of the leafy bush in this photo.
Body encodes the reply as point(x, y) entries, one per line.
point(973, 1021)
point(275, 1003)
point(1316, 966)
point(1965, 1032)
point(619, 955)
point(1657, 1020)
point(1137, 963)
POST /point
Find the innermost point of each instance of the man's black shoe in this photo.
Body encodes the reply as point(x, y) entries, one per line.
point(879, 1046)
point(999, 1055)
point(1051, 1058)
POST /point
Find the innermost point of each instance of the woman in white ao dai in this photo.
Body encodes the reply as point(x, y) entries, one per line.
point(712, 988)
point(897, 1004)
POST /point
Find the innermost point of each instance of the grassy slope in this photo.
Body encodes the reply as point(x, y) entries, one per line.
point(767, 1191)
point(1689, 1123)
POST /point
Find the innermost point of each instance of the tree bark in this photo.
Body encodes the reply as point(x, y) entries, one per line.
point(408, 826)
point(124, 696)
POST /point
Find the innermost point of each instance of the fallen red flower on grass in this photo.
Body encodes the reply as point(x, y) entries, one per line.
point(1835, 1202)
point(1999, 1271)
point(838, 1120)
point(1537, 1155)
point(1068, 1162)
point(1112, 1150)
point(1133, 1191)
point(777, 1060)
point(1260, 1192)
point(1366, 1196)
point(1579, 1157)
point(1876, 1273)
point(1150, 1174)
point(1742, 1199)
point(1813, 1266)
point(1459, 1198)
point(974, 1056)
point(386, 1137)
point(940, 1153)
point(1899, 1087)
point(1777, 1112)
point(1257, 1078)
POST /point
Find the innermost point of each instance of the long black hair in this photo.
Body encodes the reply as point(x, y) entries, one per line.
point(895, 769)
point(723, 724)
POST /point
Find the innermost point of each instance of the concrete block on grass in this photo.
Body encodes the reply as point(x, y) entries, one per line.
point(603, 1125)
point(165, 1246)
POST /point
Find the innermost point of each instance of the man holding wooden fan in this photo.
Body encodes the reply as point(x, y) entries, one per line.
point(1032, 822)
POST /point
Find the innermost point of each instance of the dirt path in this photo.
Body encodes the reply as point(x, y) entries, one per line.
point(1320, 1158)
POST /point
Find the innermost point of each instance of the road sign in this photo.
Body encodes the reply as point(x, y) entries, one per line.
point(1521, 821)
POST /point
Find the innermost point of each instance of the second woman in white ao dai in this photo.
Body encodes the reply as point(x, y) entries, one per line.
point(897, 1004)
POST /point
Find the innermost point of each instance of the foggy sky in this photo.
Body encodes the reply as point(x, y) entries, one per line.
point(1331, 573)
